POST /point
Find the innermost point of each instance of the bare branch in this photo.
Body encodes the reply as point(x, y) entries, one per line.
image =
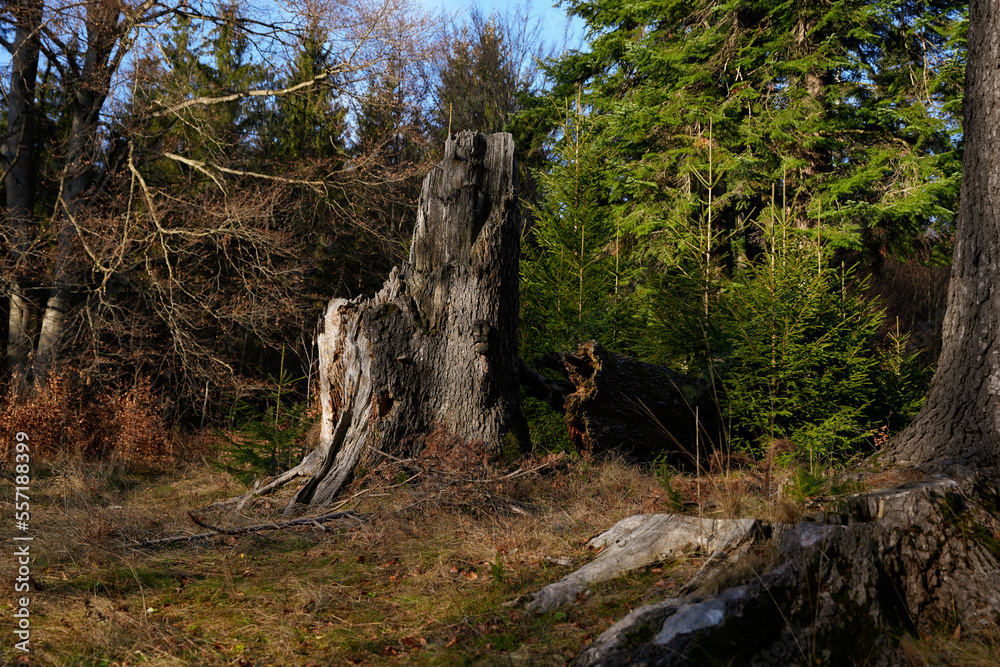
point(242, 530)
point(204, 166)
point(207, 101)
point(200, 166)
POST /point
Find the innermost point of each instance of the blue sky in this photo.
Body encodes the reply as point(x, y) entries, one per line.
point(554, 19)
point(557, 30)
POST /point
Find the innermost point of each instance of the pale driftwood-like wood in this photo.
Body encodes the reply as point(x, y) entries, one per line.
point(436, 348)
point(641, 540)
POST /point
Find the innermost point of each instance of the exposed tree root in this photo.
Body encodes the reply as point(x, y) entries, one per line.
point(912, 559)
point(642, 540)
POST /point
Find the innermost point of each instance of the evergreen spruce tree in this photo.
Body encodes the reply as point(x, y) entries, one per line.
point(802, 361)
point(724, 115)
point(573, 266)
point(852, 107)
point(214, 64)
point(486, 73)
point(309, 125)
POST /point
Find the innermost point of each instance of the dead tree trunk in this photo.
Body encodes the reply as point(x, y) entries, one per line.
point(634, 408)
point(613, 403)
point(436, 348)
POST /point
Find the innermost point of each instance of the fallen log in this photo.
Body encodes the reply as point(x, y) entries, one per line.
point(216, 531)
point(637, 409)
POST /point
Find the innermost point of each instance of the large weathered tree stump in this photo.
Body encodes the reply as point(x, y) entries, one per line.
point(436, 348)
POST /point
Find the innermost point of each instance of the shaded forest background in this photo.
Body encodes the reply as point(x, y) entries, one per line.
point(759, 194)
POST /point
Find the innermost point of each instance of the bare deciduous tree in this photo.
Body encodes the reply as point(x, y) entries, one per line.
point(144, 236)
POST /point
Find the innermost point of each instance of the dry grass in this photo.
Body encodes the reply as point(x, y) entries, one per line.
point(422, 581)
point(446, 542)
point(953, 650)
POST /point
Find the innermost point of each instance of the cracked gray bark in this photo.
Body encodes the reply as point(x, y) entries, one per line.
point(437, 346)
point(960, 422)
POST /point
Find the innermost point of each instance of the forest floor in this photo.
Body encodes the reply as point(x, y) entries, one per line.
point(424, 578)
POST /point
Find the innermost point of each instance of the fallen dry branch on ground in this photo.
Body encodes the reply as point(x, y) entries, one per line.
point(215, 531)
point(439, 488)
point(455, 466)
point(452, 465)
point(441, 478)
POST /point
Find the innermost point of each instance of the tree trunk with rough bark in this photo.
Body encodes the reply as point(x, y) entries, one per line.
point(916, 559)
point(960, 421)
point(36, 331)
point(19, 164)
point(104, 29)
point(436, 348)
